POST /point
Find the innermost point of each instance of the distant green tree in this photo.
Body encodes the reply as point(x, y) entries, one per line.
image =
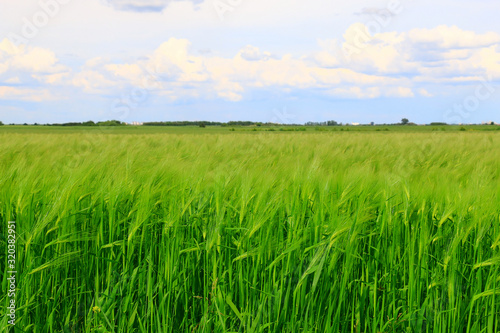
point(404, 121)
point(1, 124)
point(111, 123)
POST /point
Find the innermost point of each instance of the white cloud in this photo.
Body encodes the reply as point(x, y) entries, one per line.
point(446, 37)
point(424, 54)
point(93, 82)
point(252, 53)
point(389, 64)
point(131, 72)
point(172, 59)
point(400, 92)
point(229, 90)
point(30, 59)
point(28, 64)
point(24, 94)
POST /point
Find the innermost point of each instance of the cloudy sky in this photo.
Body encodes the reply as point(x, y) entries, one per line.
point(286, 61)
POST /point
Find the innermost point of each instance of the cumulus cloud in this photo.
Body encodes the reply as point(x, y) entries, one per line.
point(130, 72)
point(173, 60)
point(25, 94)
point(26, 73)
point(28, 59)
point(442, 52)
point(446, 37)
point(93, 82)
point(390, 64)
point(252, 53)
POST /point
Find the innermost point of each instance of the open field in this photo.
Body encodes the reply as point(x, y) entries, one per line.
point(208, 230)
point(230, 129)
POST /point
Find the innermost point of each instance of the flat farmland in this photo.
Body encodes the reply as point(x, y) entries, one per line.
point(213, 230)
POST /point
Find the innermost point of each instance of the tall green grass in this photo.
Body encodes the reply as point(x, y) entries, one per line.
point(268, 232)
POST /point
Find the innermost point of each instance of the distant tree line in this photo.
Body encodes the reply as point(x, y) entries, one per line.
point(207, 123)
point(323, 123)
point(183, 123)
point(91, 123)
point(203, 123)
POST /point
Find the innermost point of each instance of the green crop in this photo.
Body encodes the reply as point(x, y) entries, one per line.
point(331, 231)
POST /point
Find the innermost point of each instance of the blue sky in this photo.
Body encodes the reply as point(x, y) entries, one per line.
point(263, 60)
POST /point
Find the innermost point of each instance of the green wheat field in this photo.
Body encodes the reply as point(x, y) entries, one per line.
point(220, 230)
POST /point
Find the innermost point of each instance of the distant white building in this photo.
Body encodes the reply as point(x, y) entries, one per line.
point(135, 123)
point(355, 124)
